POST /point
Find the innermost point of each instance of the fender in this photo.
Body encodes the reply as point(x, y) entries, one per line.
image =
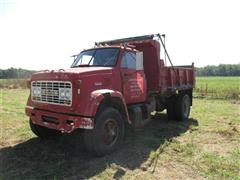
point(98, 96)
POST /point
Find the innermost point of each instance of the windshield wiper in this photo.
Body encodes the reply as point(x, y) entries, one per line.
point(81, 65)
point(92, 57)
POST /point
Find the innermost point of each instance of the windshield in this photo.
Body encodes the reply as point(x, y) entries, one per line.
point(97, 57)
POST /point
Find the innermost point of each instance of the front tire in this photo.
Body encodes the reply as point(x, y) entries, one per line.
point(43, 132)
point(107, 134)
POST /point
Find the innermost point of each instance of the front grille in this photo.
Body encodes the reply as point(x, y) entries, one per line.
point(52, 92)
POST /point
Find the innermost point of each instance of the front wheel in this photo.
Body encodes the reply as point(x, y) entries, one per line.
point(43, 132)
point(107, 134)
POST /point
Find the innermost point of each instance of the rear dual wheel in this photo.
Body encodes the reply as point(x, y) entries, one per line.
point(107, 134)
point(178, 108)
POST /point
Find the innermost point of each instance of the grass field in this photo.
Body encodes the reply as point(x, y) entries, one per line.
point(206, 146)
point(218, 87)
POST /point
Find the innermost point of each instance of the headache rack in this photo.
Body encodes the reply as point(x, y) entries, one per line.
point(127, 40)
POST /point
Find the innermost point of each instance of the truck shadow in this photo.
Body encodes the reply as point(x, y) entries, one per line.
point(65, 157)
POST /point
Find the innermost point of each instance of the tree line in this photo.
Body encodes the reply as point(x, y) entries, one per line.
point(14, 73)
point(220, 70)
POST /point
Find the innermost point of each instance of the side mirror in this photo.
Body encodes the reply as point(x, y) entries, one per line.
point(139, 60)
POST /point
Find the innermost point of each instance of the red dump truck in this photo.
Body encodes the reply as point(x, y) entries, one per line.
point(117, 83)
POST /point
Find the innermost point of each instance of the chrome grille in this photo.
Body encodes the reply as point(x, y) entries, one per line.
point(51, 92)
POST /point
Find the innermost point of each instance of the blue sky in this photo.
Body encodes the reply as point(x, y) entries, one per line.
point(43, 34)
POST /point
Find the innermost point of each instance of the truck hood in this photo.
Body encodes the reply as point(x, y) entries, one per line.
point(66, 74)
point(87, 75)
point(83, 70)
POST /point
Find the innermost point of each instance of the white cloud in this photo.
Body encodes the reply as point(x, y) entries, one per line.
point(43, 34)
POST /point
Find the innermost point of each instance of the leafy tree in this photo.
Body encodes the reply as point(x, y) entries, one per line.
point(13, 73)
point(220, 70)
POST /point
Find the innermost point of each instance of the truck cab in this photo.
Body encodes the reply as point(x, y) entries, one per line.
point(117, 83)
point(124, 77)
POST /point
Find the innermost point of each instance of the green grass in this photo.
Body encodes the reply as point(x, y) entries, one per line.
point(218, 87)
point(221, 166)
point(206, 146)
point(14, 124)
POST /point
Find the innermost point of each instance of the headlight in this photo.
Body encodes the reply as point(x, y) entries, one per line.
point(36, 91)
point(68, 94)
point(61, 93)
point(65, 94)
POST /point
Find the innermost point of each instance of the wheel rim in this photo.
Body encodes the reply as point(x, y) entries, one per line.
point(110, 132)
point(186, 106)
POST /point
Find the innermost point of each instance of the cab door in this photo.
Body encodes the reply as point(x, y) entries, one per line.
point(133, 79)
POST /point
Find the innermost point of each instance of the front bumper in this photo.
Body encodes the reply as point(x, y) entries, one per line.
point(63, 122)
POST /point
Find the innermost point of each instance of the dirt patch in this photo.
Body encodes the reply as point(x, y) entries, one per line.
point(176, 170)
point(216, 142)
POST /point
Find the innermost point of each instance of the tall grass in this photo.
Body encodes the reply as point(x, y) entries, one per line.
point(13, 83)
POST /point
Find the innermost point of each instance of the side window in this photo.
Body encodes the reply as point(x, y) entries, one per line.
point(129, 60)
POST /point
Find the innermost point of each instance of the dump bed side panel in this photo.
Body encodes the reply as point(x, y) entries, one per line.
point(176, 78)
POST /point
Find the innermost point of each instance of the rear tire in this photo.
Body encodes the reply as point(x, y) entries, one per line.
point(107, 134)
point(43, 132)
point(183, 107)
point(171, 109)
